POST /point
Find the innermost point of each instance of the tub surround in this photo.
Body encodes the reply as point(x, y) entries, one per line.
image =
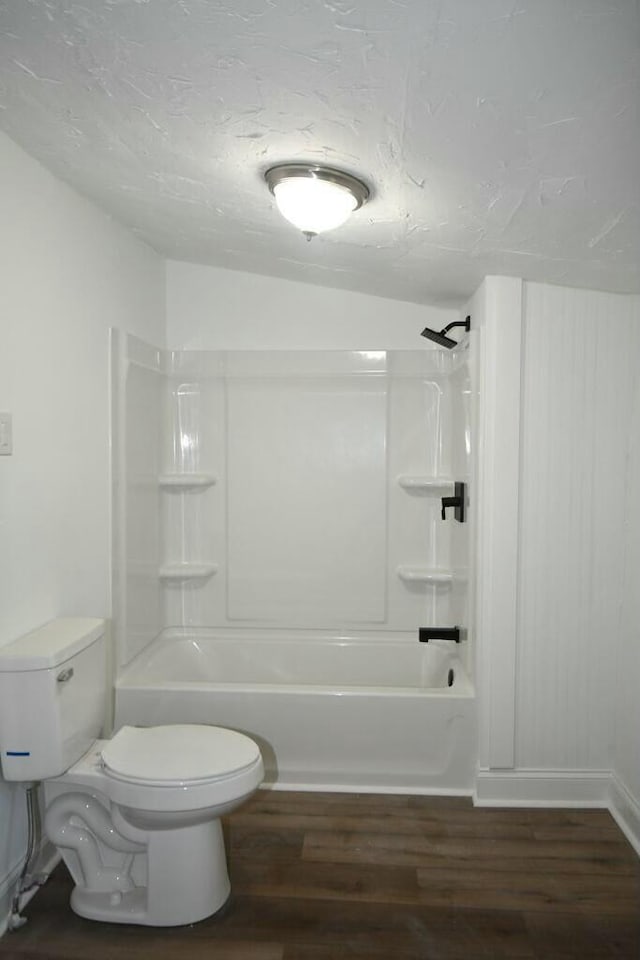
point(279, 533)
point(288, 489)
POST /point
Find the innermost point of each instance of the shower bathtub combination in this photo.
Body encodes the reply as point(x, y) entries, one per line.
point(336, 713)
point(278, 544)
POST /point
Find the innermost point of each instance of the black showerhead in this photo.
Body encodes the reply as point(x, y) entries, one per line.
point(438, 338)
point(441, 337)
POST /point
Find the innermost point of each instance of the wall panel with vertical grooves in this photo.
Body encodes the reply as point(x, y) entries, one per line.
point(577, 388)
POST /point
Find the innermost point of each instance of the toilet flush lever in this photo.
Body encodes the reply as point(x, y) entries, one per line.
point(65, 675)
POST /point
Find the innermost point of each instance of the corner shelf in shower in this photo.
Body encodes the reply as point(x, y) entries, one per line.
point(186, 481)
point(184, 572)
point(427, 575)
point(415, 483)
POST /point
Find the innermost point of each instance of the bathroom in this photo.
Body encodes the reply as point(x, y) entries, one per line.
point(554, 650)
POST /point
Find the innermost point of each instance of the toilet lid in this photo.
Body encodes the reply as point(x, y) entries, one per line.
point(180, 753)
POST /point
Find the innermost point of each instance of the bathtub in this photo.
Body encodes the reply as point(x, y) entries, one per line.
point(361, 713)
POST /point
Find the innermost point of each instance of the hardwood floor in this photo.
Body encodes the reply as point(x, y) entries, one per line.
point(333, 876)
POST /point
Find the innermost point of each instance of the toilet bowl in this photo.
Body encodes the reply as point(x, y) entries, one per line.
point(164, 790)
point(135, 817)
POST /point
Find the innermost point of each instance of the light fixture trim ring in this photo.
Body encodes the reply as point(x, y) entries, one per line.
point(313, 171)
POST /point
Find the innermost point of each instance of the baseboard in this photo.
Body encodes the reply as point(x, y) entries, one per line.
point(542, 788)
point(48, 858)
point(625, 810)
point(400, 789)
point(503, 788)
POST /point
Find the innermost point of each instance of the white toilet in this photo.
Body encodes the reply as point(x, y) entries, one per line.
point(136, 817)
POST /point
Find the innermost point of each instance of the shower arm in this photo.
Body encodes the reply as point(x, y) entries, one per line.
point(466, 323)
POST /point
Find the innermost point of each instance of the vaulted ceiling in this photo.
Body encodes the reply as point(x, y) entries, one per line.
point(498, 136)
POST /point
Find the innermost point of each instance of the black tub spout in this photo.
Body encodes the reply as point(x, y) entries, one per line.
point(438, 633)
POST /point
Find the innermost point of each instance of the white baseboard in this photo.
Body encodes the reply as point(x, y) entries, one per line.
point(625, 810)
point(47, 859)
point(542, 788)
point(400, 789)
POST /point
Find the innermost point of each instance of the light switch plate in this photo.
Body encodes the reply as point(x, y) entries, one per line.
point(6, 435)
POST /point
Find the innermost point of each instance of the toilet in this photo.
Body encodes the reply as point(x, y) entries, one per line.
point(136, 818)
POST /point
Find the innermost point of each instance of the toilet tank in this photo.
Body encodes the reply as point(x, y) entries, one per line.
point(53, 689)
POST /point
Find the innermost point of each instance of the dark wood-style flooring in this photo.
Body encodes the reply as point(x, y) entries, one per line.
point(328, 876)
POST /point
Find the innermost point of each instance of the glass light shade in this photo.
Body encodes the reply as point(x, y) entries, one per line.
point(314, 205)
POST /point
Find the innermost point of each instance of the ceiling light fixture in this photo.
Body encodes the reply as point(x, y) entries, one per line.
point(314, 198)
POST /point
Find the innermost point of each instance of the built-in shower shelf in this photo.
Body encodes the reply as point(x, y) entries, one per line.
point(186, 481)
point(435, 578)
point(419, 484)
point(183, 572)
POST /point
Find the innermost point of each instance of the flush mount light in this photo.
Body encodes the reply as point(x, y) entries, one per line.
point(314, 198)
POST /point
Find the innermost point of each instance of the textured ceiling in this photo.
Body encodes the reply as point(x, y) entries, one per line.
point(499, 136)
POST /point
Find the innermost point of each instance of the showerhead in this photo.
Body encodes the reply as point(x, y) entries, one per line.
point(438, 338)
point(441, 337)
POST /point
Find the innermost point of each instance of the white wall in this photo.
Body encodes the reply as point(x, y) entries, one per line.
point(68, 274)
point(580, 355)
point(214, 309)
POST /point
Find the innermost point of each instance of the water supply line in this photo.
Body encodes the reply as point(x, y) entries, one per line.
point(26, 881)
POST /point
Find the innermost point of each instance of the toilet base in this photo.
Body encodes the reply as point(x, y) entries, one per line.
point(128, 907)
point(132, 909)
point(172, 897)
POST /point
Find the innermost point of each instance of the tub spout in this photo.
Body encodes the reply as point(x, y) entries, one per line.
point(439, 633)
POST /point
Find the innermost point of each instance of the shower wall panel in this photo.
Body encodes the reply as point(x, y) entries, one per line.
point(419, 542)
point(300, 513)
point(138, 437)
point(461, 393)
point(194, 517)
point(307, 500)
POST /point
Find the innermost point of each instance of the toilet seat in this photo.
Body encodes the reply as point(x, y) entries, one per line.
point(181, 767)
point(179, 754)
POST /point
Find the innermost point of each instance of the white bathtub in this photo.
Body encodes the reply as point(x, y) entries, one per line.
point(356, 713)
